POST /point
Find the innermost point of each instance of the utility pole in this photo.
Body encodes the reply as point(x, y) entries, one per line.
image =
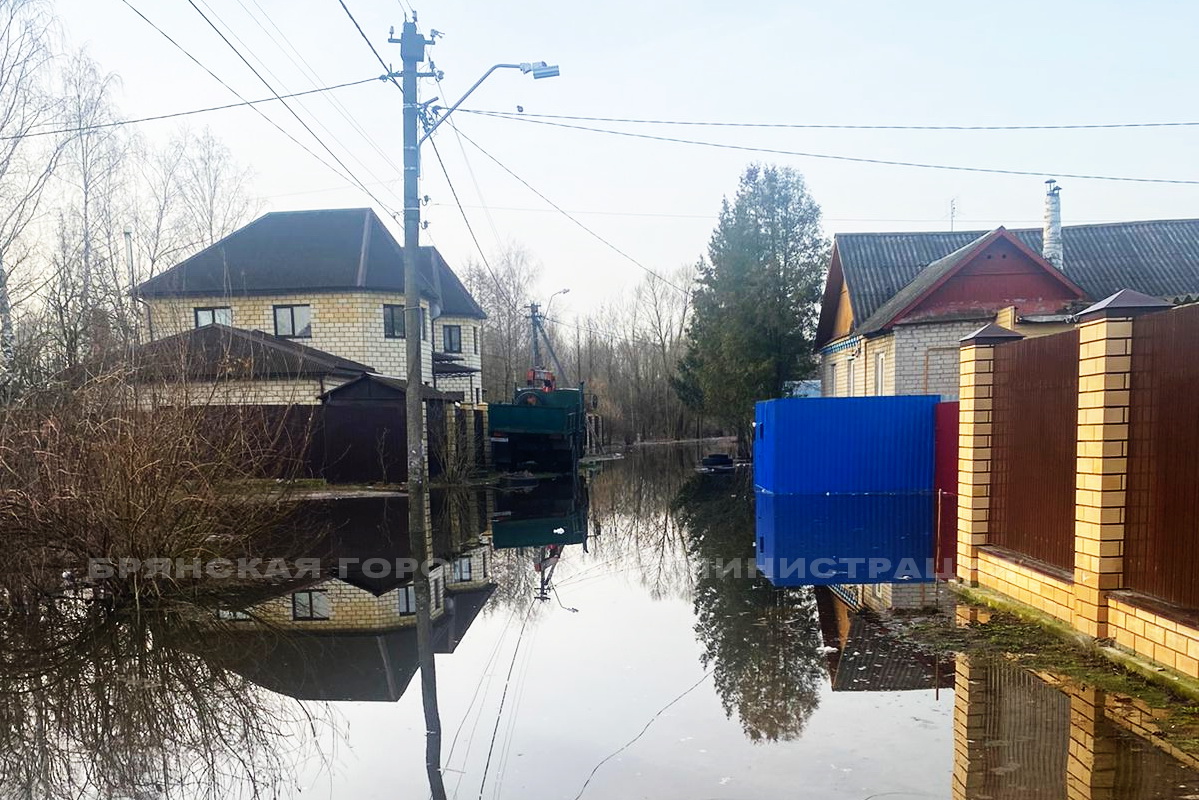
point(535, 319)
point(412, 54)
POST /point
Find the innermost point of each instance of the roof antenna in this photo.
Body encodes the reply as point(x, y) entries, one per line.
point(953, 212)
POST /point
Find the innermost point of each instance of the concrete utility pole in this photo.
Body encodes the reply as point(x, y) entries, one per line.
point(412, 53)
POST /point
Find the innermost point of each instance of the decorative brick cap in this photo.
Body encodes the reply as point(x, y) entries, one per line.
point(991, 334)
point(1124, 303)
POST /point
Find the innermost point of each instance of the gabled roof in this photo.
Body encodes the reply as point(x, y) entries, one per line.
point(371, 387)
point(306, 251)
point(1157, 257)
point(219, 351)
point(936, 272)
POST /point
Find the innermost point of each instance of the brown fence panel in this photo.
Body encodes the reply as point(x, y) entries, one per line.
point(1034, 447)
point(1161, 546)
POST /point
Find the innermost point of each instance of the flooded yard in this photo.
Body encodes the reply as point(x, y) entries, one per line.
point(631, 659)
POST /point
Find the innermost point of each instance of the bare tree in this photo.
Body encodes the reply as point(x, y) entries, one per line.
point(504, 291)
point(213, 188)
point(26, 162)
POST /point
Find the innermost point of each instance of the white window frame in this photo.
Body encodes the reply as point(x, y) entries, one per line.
point(319, 607)
point(880, 372)
point(406, 599)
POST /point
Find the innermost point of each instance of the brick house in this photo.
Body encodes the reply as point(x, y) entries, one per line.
point(332, 281)
point(896, 305)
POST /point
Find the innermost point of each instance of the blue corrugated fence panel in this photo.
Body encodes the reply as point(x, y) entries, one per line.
point(844, 445)
point(831, 539)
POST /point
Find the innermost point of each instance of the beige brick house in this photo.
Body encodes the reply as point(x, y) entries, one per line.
point(897, 305)
point(329, 280)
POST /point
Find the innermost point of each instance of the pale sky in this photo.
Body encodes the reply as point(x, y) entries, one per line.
point(870, 62)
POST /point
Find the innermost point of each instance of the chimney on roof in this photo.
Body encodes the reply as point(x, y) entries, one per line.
point(1051, 239)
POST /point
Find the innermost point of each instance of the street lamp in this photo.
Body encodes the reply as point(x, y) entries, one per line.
point(551, 300)
point(538, 69)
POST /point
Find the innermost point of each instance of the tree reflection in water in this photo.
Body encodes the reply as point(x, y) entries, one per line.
point(763, 643)
point(102, 703)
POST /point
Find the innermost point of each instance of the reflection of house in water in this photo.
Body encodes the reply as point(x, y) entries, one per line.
point(350, 634)
point(863, 656)
point(1018, 736)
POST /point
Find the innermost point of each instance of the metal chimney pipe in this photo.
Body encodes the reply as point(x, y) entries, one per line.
point(1051, 241)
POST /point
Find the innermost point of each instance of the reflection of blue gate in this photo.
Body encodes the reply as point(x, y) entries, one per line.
point(845, 489)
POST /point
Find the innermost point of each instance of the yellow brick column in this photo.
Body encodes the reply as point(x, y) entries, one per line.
point(976, 359)
point(1091, 764)
point(971, 702)
point(1104, 371)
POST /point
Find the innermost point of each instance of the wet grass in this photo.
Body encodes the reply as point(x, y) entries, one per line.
point(1051, 649)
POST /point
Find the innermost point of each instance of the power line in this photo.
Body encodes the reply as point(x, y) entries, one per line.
point(236, 93)
point(561, 211)
point(503, 697)
point(174, 114)
point(354, 178)
point(371, 45)
point(634, 740)
point(470, 229)
point(305, 67)
point(841, 127)
point(853, 159)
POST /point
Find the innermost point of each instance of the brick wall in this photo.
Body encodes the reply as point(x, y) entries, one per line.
point(263, 392)
point(346, 324)
point(1155, 636)
point(926, 357)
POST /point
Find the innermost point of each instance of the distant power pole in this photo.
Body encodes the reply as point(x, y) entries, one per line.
point(953, 211)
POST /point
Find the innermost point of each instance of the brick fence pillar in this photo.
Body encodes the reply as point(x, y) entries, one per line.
point(1104, 375)
point(1091, 763)
point(976, 359)
point(972, 701)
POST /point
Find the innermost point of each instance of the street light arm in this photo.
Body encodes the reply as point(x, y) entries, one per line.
point(462, 99)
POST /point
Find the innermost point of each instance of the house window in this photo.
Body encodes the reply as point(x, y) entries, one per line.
point(424, 324)
point(437, 593)
point(407, 600)
point(849, 381)
point(393, 322)
point(451, 338)
point(832, 379)
point(880, 372)
point(475, 338)
point(462, 570)
point(310, 605)
point(221, 315)
point(232, 614)
point(293, 322)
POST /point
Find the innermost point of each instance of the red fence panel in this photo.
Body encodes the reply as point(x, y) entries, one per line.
point(1034, 447)
point(1161, 546)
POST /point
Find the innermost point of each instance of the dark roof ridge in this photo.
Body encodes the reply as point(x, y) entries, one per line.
point(1021, 230)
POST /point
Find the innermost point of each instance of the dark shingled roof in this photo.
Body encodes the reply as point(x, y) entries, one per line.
point(323, 250)
point(1159, 258)
point(219, 351)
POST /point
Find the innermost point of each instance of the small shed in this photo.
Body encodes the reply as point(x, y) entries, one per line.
point(365, 430)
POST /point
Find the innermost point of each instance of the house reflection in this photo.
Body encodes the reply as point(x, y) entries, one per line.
point(350, 633)
point(862, 655)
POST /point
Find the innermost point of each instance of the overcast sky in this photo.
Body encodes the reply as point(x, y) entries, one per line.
point(873, 62)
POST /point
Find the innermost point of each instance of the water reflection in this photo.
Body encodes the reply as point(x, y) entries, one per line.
point(804, 686)
point(106, 703)
point(762, 643)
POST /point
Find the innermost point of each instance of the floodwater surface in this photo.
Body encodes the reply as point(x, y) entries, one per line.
point(618, 665)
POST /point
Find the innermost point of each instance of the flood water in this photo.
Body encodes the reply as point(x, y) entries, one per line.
point(614, 665)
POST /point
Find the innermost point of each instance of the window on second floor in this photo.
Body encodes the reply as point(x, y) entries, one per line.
point(222, 315)
point(293, 322)
point(393, 322)
point(451, 338)
point(475, 338)
point(312, 604)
